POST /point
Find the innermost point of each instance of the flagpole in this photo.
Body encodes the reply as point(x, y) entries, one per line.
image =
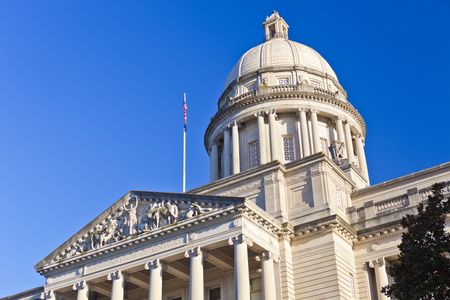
point(184, 143)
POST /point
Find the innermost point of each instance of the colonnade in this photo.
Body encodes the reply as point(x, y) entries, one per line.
point(308, 137)
point(156, 268)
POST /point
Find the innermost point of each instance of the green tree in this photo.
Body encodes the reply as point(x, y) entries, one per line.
point(422, 270)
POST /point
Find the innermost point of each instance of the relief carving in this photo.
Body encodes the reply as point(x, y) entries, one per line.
point(136, 216)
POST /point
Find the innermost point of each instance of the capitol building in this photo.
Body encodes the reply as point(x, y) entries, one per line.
point(288, 214)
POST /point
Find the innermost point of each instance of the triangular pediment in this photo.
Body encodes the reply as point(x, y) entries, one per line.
point(134, 215)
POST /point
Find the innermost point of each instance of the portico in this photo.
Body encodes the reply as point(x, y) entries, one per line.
point(216, 253)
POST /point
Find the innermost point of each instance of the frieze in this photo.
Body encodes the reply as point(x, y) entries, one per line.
point(136, 254)
point(135, 217)
point(241, 189)
point(296, 178)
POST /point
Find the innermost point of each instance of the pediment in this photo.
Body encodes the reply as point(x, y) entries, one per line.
point(134, 215)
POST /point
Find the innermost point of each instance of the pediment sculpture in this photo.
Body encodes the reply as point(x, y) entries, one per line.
point(134, 217)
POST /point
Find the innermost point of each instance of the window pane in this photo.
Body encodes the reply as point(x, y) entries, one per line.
point(214, 294)
point(253, 156)
point(288, 146)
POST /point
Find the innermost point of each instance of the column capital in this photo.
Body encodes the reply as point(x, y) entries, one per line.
point(259, 114)
point(271, 111)
point(81, 285)
point(314, 110)
point(266, 255)
point(47, 295)
point(115, 275)
point(340, 118)
point(153, 264)
point(193, 252)
point(376, 263)
point(239, 239)
point(303, 109)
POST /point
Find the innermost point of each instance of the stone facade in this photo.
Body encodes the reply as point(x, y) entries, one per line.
point(289, 213)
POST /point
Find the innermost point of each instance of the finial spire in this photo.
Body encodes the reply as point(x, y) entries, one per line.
point(275, 27)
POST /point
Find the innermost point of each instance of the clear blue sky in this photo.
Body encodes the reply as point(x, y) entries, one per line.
point(91, 93)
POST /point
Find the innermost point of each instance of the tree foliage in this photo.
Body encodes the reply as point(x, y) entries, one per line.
point(423, 268)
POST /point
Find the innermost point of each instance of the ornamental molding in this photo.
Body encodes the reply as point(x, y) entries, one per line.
point(378, 235)
point(335, 225)
point(252, 100)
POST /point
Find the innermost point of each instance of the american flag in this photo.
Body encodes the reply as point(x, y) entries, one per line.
point(185, 108)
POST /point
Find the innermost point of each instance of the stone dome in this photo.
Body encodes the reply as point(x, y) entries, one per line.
point(277, 54)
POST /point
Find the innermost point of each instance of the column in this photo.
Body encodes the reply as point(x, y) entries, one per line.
point(315, 131)
point(241, 269)
point(226, 152)
point(362, 157)
point(268, 275)
point(196, 288)
point(214, 162)
point(82, 289)
point(304, 130)
point(235, 140)
point(48, 295)
point(155, 280)
point(117, 290)
point(340, 133)
point(349, 143)
point(379, 265)
point(262, 138)
point(273, 135)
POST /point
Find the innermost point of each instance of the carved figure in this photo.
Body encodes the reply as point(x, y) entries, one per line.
point(194, 210)
point(132, 215)
point(96, 237)
point(153, 216)
point(170, 212)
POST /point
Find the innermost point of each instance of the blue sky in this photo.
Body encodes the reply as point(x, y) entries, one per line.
point(91, 93)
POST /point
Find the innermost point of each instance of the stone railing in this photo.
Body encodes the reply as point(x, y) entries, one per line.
point(228, 101)
point(391, 204)
point(428, 192)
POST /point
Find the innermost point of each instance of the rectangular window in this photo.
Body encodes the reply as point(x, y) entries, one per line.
point(288, 147)
point(214, 294)
point(253, 157)
point(256, 289)
point(283, 81)
point(351, 283)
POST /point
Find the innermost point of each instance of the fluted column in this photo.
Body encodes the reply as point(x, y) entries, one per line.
point(235, 140)
point(82, 289)
point(268, 275)
point(315, 131)
point(48, 295)
point(226, 153)
point(362, 156)
point(304, 129)
point(262, 138)
point(340, 133)
point(117, 290)
point(155, 280)
point(273, 135)
point(196, 285)
point(379, 265)
point(349, 143)
point(241, 269)
point(214, 162)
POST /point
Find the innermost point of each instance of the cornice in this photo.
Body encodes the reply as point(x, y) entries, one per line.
point(277, 96)
point(388, 231)
point(324, 226)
